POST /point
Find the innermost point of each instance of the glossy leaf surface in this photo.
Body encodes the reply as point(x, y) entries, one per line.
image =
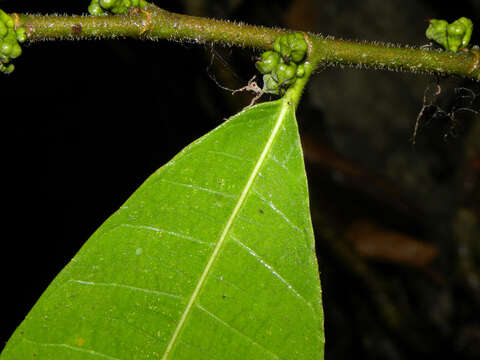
point(211, 258)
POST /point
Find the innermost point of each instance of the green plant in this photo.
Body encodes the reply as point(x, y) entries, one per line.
point(264, 137)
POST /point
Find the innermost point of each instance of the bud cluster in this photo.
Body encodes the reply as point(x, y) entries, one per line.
point(104, 7)
point(10, 39)
point(452, 36)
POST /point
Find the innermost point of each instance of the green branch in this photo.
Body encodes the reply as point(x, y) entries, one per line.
point(153, 23)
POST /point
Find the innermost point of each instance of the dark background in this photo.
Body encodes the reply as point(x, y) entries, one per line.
point(397, 224)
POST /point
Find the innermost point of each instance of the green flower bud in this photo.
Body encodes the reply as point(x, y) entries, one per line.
point(7, 69)
point(3, 30)
point(21, 35)
point(268, 62)
point(139, 3)
point(300, 71)
point(437, 31)
point(284, 74)
point(95, 9)
point(6, 49)
point(16, 51)
point(270, 86)
point(468, 30)
point(6, 19)
point(291, 47)
point(299, 47)
point(455, 34)
point(280, 46)
point(459, 33)
point(100, 7)
point(108, 4)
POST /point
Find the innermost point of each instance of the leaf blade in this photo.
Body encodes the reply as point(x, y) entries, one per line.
point(206, 263)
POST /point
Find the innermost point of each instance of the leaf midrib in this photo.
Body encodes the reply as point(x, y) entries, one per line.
point(283, 112)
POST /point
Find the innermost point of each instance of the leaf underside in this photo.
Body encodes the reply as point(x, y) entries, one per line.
point(211, 258)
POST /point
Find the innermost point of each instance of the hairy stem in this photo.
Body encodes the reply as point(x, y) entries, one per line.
point(154, 23)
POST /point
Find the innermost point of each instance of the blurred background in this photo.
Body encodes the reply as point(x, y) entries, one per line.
point(397, 224)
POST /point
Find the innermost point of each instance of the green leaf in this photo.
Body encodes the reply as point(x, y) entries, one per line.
point(211, 258)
